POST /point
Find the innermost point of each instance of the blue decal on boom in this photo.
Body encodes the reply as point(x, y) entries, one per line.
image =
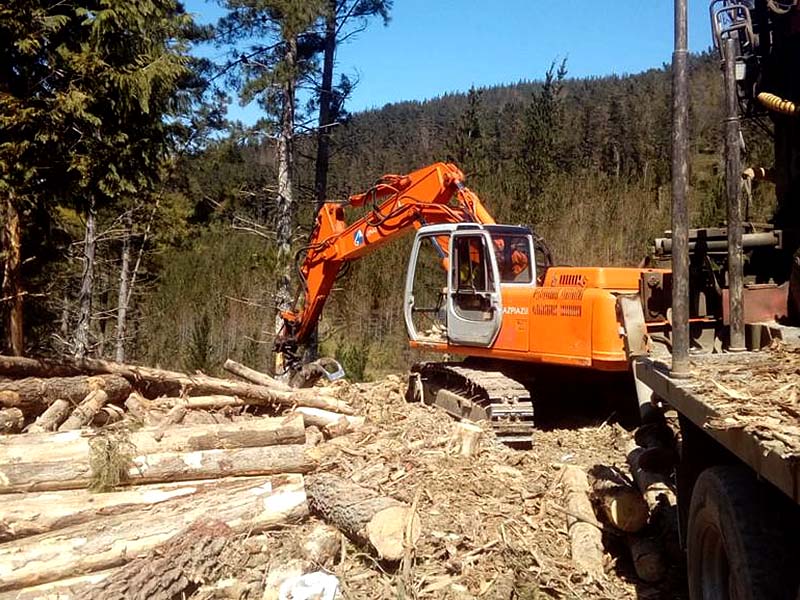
point(358, 238)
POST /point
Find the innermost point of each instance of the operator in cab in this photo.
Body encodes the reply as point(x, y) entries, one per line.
point(513, 258)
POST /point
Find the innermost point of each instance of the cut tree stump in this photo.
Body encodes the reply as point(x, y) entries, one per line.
point(364, 515)
point(85, 411)
point(621, 504)
point(33, 395)
point(30, 514)
point(11, 420)
point(252, 505)
point(586, 538)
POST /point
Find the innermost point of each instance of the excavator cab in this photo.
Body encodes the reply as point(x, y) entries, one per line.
point(454, 277)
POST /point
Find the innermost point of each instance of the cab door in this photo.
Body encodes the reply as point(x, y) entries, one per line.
point(474, 306)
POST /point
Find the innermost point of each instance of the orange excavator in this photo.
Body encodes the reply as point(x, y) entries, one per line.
point(477, 289)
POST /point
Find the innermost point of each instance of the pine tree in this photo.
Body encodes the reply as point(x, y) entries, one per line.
point(467, 145)
point(538, 157)
point(280, 57)
point(343, 18)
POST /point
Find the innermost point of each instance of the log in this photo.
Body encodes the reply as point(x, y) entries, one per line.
point(322, 546)
point(174, 569)
point(33, 395)
point(621, 504)
point(110, 413)
point(31, 514)
point(76, 445)
point(202, 402)
point(156, 468)
point(197, 384)
point(654, 486)
point(63, 589)
point(364, 515)
point(254, 376)
point(584, 530)
point(200, 452)
point(85, 411)
point(140, 407)
point(50, 419)
point(329, 421)
point(253, 505)
point(466, 438)
point(18, 367)
point(11, 420)
point(648, 558)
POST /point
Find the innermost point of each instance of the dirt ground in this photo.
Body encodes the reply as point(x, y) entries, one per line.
point(491, 524)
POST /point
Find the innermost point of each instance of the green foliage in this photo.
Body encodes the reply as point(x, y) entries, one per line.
point(262, 34)
point(211, 302)
point(542, 124)
point(353, 358)
point(200, 351)
point(111, 456)
point(467, 147)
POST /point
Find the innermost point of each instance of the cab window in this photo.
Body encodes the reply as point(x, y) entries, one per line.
point(513, 254)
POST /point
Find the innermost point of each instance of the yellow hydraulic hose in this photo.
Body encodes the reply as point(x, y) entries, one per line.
point(778, 104)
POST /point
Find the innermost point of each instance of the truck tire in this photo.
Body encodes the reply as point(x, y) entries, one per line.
point(737, 545)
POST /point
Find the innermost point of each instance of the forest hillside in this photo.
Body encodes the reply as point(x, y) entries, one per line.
point(164, 234)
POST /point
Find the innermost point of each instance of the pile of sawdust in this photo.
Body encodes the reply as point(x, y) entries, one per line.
point(489, 522)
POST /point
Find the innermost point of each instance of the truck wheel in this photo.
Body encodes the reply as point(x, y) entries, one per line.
point(736, 544)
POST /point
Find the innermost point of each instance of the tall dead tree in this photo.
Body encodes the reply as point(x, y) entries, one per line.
point(12, 290)
point(342, 20)
point(285, 201)
point(124, 286)
point(81, 342)
point(325, 107)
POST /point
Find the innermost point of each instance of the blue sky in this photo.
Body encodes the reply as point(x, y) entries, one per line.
point(431, 47)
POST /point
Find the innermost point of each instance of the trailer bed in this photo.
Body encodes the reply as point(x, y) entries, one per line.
point(749, 402)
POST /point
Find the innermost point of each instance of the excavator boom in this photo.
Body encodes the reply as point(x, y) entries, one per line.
point(431, 195)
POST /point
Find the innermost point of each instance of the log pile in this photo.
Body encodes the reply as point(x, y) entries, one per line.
point(634, 503)
point(107, 471)
point(236, 488)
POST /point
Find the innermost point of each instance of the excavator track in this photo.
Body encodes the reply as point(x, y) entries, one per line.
point(476, 395)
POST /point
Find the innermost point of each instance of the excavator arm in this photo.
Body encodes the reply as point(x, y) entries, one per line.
point(433, 194)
